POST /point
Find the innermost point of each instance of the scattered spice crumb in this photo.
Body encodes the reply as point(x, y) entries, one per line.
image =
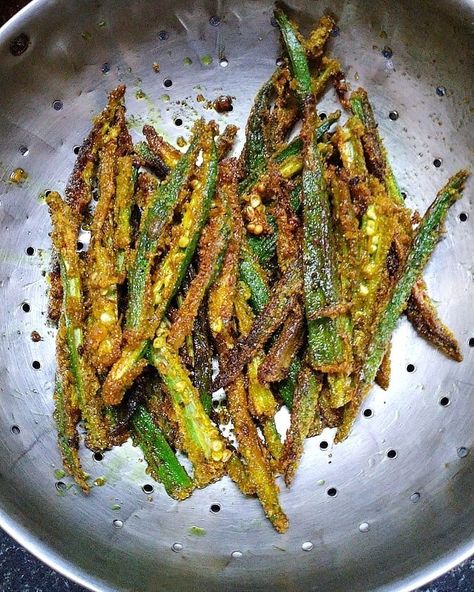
point(35, 337)
point(197, 531)
point(223, 104)
point(206, 60)
point(18, 176)
point(156, 67)
point(140, 94)
point(188, 61)
point(181, 141)
point(200, 98)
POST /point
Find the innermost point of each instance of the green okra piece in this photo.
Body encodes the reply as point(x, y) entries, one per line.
point(152, 160)
point(68, 439)
point(271, 317)
point(84, 380)
point(157, 217)
point(161, 460)
point(169, 275)
point(202, 441)
point(252, 274)
point(297, 55)
point(255, 153)
point(321, 291)
point(376, 152)
point(202, 375)
point(302, 417)
point(321, 281)
point(425, 240)
point(287, 387)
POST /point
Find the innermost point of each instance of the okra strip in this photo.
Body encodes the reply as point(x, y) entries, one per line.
point(152, 160)
point(202, 359)
point(211, 250)
point(422, 315)
point(220, 309)
point(260, 398)
point(104, 332)
point(68, 439)
point(158, 215)
point(421, 311)
point(66, 413)
point(125, 188)
point(169, 155)
point(256, 150)
point(251, 450)
point(84, 380)
point(288, 385)
point(272, 316)
point(326, 346)
point(302, 416)
point(201, 440)
point(426, 238)
point(80, 184)
point(317, 39)
point(161, 460)
point(277, 362)
point(170, 272)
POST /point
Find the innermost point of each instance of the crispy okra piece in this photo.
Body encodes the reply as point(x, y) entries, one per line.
point(170, 272)
point(124, 193)
point(252, 451)
point(261, 400)
point(257, 150)
point(421, 311)
point(66, 413)
point(220, 310)
point(80, 184)
point(161, 460)
point(167, 153)
point(288, 385)
point(422, 315)
point(303, 410)
point(156, 218)
point(202, 358)
point(211, 251)
point(426, 238)
point(103, 330)
point(347, 138)
point(152, 160)
point(273, 315)
point(85, 385)
point(317, 39)
point(201, 439)
point(68, 439)
point(278, 360)
point(327, 349)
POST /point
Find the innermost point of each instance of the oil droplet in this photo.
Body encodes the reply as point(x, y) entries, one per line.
point(59, 474)
point(100, 481)
point(206, 60)
point(165, 98)
point(188, 61)
point(18, 176)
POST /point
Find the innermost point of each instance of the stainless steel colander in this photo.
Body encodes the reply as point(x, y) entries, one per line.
point(390, 508)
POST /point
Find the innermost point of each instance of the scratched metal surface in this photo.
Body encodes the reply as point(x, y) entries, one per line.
point(395, 522)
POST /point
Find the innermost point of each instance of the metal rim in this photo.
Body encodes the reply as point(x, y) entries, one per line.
point(54, 560)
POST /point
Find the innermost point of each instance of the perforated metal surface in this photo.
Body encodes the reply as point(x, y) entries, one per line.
point(362, 518)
